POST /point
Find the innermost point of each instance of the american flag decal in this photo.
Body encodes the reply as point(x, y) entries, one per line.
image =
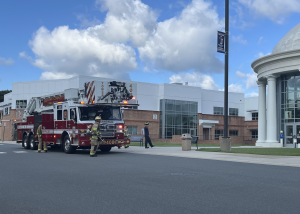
point(90, 92)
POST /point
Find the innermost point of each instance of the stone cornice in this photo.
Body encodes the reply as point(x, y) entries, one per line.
point(274, 57)
point(276, 64)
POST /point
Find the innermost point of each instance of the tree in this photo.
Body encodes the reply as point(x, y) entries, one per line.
point(2, 93)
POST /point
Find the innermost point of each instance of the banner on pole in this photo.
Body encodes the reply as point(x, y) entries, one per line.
point(221, 42)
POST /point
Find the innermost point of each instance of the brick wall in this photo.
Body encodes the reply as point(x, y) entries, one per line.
point(9, 120)
point(139, 117)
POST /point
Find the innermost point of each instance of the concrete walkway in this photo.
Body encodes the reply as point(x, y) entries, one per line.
point(234, 157)
point(245, 158)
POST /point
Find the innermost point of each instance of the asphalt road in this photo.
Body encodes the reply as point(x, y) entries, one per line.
point(123, 182)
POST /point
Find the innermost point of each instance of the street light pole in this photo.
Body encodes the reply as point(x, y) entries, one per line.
point(226, 69)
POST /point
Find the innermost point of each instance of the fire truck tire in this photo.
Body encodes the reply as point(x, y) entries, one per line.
point(32, 143)
point(68, 148)
point(105, 148)
point(26, 142)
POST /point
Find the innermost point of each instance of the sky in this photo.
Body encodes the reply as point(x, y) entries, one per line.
point(151, 41)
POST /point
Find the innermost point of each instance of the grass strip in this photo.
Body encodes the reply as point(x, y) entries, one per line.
point(258, 151)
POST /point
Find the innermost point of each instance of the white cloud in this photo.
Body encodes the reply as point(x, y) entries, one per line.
point(239, 39)
point(54, 75)
point(260, 40)
point(252, 94)
point(261, 54)
point(251, 80)
point(237, 20)
point(84, 22)
point(25, 56)
point(235, 88)
point(185, 42)
point(72, 51)
point(275, 10)
point(6, 62)
point(195, 79)
point(178, 44)
point(240, 74)
point(126, 20)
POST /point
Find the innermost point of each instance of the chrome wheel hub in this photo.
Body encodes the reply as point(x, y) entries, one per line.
point(67, 145)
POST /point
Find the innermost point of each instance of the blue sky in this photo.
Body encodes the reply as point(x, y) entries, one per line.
point(142, 40)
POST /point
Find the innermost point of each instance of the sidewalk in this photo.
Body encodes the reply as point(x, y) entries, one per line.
point(10, 142)
point(234, 157)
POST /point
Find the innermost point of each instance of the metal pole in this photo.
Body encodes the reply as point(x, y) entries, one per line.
point(226, 69)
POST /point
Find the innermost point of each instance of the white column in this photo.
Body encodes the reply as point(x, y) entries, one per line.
point(261, 113)
point(271, 112)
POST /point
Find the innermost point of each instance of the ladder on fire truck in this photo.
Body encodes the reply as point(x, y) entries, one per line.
point(35, 104)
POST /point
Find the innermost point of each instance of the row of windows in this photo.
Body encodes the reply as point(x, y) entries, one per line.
point(232, 111)
point(218, 133)
point(21, 104)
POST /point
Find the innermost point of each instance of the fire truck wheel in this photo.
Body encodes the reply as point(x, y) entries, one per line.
point(26, 142)
point(32, 143)
point(105, 148)
point(68, 148)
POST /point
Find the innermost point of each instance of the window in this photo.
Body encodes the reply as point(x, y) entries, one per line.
point(255, 134)
point(6, 111)
point(255, 116)
point(218, 133)
point(233, 133)
point(218, 110)
point(73, 114)
point(59, 112)
point(233, 111)
point(21, 104)
point(132, 130)
point(107, 113)
point(0, 115)
point(176, 117)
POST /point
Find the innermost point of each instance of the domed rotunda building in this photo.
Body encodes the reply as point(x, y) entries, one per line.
point(281, 72)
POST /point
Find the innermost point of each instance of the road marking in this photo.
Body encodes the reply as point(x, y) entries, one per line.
point(1, 144)
point(19, 151)
point(2, 152)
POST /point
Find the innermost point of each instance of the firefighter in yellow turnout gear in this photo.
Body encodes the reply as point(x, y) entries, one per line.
point(39, 133)
point(126, 134)
point(95, 134)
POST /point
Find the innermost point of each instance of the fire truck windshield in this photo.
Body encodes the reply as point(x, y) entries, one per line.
point(107, 113)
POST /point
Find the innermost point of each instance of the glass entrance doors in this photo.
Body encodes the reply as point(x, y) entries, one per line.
point(291, 130)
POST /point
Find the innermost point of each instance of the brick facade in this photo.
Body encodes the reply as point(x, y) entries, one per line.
point(9, 121)
point(236, 123)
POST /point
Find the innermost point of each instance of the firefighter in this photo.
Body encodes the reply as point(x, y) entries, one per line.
point(126, 134)
point(39, 133)
point(147, 138)
point(95, 135)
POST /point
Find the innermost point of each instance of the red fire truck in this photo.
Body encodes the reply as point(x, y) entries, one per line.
point(65, 116)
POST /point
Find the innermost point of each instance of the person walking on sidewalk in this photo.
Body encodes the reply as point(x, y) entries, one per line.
point(39, 133)
point(147, 138)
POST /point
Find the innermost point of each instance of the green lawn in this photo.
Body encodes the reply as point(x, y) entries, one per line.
point(178, 145)
point(259, 151)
